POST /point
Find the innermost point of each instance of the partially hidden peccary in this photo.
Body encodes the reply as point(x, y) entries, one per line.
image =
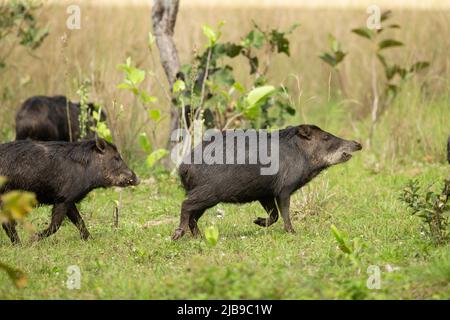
point(61, 174)
point(304, 151)
point(43, 118)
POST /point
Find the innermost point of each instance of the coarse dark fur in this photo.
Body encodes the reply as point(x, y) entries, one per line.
point(61, 174)
point(304, 151)
point(44, 118)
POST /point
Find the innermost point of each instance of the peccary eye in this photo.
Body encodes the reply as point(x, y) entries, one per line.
point(116, 158)
point(326, 137)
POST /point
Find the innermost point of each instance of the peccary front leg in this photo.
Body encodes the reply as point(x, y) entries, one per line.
point(74, 216)
point(59, 212)
point(271, 208)
point(283, 204)
point(10, 229)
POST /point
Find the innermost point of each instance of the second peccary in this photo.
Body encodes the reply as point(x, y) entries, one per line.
point(45, 118)
point(303, 152)
point(61, 174)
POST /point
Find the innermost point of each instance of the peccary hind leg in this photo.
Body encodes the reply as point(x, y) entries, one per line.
point(284, 203)
point(193, 222)
point(271, 208)
point(191, 210)
point(59, 212)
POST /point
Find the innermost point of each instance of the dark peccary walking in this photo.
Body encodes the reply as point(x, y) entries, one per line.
point(44, 118)
point(61, 174)
point(304, 151)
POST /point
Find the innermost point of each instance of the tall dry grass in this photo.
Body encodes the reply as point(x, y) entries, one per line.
point(110, 34)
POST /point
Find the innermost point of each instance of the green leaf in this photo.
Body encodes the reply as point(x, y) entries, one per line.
point(254, 39)
point(328, 58)
point(210, 34)
point(212, 235)
point(259, 94)
point(364, 32)
point(231, 49)
point(124, 85)
point(179, 86)
point(154, 114)
point(136, 76)
point(146, 98)
point(155, 156)
point(339, 56)
point(239, 87)
point(388, 43)
point(418, 66)
point(144, 142)
point(280, 41)
point(334, 44)
point(382, 59)
point(385, 15)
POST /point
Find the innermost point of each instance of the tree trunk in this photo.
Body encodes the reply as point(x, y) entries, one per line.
point(164, 16)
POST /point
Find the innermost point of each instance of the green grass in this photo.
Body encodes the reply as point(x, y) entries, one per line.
point(139, 261)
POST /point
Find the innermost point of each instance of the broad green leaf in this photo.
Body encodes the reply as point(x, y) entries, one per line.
point(212, 235)
point(254, 39)
point(155, 156)
point(339, 56)
point(334, 44)
point(259, 94)
point(231, 49)
point(146, 98)
point(210, 34)
point(239, 87)
point(154, 114)
point(389, 43)
point(280, 41)
point(144, 142)
point(136, 76)
point(179, 86)
point(364, 32)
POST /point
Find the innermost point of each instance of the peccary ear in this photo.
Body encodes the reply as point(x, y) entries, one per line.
point(304, 132)
point(100, 144)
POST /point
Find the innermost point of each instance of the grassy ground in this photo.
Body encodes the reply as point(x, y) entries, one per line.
point(139, 261)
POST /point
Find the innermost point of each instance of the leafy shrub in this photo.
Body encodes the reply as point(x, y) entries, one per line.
point(432, 207)
point(19, 27)
point(210, 82)
point(15, 205)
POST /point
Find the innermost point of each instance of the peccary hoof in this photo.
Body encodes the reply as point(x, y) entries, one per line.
point(177, 234)
point(261, 222)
